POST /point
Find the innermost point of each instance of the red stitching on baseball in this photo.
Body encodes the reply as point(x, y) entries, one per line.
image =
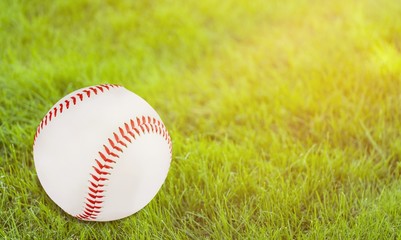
point(93, 89)
point(99, 87)
point(109, 152)
point(114, 146)
point(52, 114)
point(92, 206)
point(61, 107)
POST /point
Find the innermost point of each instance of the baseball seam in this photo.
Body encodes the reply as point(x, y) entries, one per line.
point(67, 104)
point(109, 155)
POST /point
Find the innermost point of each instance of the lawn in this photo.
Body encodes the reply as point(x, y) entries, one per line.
point(285, 116)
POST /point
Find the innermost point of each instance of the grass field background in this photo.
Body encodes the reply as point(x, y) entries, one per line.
point(285, 115)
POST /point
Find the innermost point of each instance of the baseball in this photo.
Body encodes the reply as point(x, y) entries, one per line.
point(102, 153)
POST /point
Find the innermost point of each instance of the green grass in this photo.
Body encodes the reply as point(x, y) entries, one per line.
point(285, 115)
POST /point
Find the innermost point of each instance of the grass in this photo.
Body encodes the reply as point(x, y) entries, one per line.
point(285, 115)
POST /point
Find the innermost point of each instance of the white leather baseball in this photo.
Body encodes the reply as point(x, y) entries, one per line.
point(102, 153)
